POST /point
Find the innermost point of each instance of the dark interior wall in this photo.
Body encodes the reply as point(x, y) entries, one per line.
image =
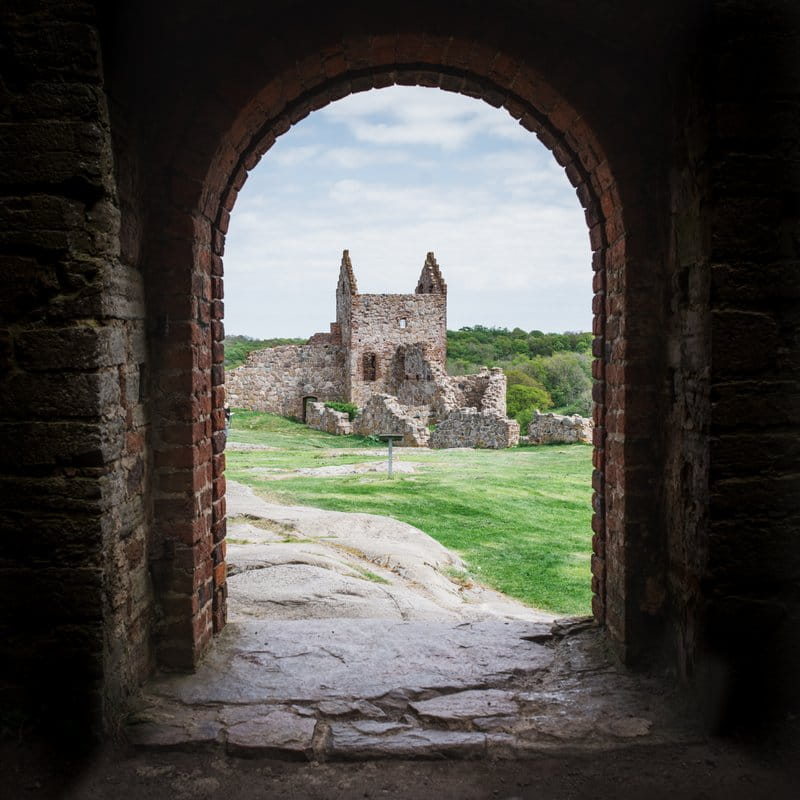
point(730, 471)
point(77, 608)
point(677, 121)
point(751, 586)
point(683, 487)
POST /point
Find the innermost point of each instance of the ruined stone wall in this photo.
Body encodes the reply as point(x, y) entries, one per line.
point(468, 427)
point(277, 379)
point(322, 418)
point(383, 414)
point(376, 328)
point(494, 395)
point(548, 428)
point(484, 391)
point(413, 378)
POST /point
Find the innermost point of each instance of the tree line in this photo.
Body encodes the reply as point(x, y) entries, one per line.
point(545, 371)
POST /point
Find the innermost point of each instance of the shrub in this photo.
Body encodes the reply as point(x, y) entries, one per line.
point(524, 418)
point(567, 377)
point(348, 408)
point(519, 398)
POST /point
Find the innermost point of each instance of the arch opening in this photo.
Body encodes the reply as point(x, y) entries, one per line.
point(574, 147)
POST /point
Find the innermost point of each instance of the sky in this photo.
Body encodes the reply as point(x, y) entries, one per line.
point(389, 175)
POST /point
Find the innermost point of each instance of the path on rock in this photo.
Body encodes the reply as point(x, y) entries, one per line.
point(297, 562)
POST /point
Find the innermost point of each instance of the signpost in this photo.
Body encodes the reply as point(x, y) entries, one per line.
point(390, 437)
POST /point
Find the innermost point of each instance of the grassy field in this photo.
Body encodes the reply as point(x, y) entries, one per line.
point(520, 517)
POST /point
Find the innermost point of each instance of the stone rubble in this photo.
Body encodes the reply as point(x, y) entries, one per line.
point(384, 414)
point(322, 418)
point(551, 428)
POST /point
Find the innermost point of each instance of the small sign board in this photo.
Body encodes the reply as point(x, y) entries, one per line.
point(391, 438)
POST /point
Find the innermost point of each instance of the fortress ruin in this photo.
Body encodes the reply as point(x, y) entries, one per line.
point(386, 354)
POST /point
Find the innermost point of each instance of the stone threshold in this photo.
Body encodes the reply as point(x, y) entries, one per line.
point(345, 689)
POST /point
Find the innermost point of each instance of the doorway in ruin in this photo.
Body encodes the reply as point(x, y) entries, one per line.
point(309, 398)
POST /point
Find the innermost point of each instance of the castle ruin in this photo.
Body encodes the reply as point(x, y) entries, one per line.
point(386, 354)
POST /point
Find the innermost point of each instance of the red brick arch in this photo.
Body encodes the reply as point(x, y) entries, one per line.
point(189, 459)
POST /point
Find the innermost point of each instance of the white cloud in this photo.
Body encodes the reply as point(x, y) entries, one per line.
point(358, 158)
point(288, 156)
point(409, 115)
point(499, 213)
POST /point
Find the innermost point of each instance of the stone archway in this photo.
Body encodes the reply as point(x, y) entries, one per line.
point(130, 129)
point(585, 165)
point(207, 163)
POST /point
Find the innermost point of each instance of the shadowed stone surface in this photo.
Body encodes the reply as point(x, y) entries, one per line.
point(353, 741)
point(467, 706)
point(315, 660)
point(278, 734)
point(357, 689)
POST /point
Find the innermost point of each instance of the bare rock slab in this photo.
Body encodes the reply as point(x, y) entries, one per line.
point(279, 734)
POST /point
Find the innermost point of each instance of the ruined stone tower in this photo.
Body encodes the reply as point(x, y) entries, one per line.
point(377, 330)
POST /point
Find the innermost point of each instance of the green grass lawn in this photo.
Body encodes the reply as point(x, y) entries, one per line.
point(520, 517)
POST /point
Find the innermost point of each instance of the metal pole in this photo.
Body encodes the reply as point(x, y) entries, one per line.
point(390, 456)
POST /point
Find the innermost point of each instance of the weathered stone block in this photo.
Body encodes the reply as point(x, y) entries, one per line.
point(80, 347)
point(322, 418)
point(468, 427)
point(547, 428)
point(384, 414)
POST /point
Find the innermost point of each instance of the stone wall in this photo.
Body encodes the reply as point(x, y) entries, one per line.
point(494, 395)
point(277, 379)
point(547, 428)
point(468, 427)
point(384, 414)
point(77, 615)
point(322, 418)
point(413, 378)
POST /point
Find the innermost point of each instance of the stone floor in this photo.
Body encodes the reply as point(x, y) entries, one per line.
point(342, 689)
point(349, 640)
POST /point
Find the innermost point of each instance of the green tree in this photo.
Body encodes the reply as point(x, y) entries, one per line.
point(518, 377)
point(567, 376)
point(521, 398)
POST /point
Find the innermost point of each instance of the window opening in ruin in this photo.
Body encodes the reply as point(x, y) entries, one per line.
point(403, 322)
point(369, 367)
